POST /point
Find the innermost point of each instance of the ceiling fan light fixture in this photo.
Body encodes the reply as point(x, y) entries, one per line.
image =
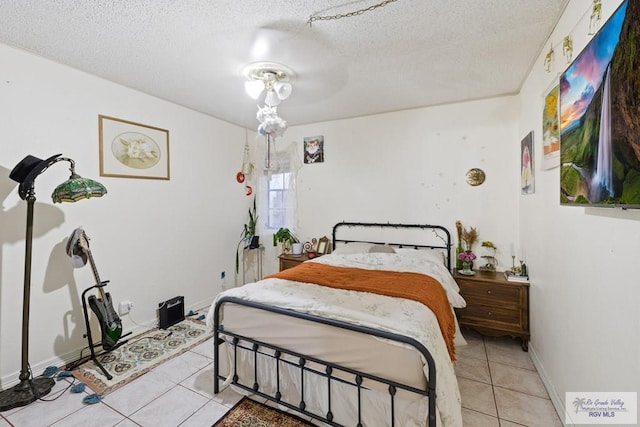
point(254, 88)
point(282, 89)
point(271, 98)
point(276, 79)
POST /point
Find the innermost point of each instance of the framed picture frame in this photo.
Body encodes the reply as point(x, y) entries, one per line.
point(527, 165)
point(132, 150)
point(313, 149)
point(551, 126)
point(323, 246)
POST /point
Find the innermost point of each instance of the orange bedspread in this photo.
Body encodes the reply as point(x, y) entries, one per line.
point(414, 286)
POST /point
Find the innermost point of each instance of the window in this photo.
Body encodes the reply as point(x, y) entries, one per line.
point(277, 203)
point(278, 189)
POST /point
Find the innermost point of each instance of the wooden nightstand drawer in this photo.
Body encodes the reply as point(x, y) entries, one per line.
point(490, 293)
point(290, 260)
point(485, 312)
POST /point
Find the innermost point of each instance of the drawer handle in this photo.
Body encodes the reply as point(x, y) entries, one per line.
point(489, 313)
point(489, 292)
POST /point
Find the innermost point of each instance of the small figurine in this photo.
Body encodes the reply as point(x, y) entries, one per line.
point(492, 261)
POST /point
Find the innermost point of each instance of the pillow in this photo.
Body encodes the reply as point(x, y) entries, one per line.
point(382, 249)
point(353, 248)
point(435, 255)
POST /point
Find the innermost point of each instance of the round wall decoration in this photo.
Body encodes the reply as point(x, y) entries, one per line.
point(475, 176)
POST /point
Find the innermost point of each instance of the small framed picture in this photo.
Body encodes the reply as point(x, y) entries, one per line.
point(132, 150)
point(314, 149)
point(527, 168)
point(551, 127)
point(323, 246)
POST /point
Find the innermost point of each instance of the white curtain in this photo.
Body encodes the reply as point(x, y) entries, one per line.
point(282, 160)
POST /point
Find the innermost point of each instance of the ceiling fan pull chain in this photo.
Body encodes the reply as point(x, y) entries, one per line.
point(313, 18)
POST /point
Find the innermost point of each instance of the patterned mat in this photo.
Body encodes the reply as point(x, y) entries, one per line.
point(141, 354)
point(250, 413)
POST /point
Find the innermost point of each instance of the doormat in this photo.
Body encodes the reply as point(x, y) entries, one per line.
point(141, 354)
point(251, 413)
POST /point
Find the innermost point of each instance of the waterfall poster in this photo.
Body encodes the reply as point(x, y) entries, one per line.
point(599, 123)
point(527, 170)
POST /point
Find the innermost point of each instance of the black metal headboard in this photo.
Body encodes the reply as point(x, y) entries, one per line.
point(439, 238)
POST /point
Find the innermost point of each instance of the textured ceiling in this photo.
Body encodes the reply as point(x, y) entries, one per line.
point(408, 54)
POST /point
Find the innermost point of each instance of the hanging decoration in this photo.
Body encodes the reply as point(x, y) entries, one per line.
point(271, 126)
point(247, 166)
point(567, 48)
point(548, 59)
point(246, 169)
point(596, 14)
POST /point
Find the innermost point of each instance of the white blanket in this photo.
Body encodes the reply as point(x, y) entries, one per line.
point(401, 316)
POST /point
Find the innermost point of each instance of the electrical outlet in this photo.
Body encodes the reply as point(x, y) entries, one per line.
point(223, 281)
point(124, 307)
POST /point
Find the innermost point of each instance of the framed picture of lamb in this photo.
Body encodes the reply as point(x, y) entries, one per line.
point(132, 150)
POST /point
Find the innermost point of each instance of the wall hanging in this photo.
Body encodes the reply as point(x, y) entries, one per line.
point(527, 170)
point(475, 177)
point(314, 149)
point(551, 127)
point(132, 150)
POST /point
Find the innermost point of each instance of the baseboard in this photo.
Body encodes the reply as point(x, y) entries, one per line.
point(556, 401)
point(12, 379)
point(201, 306)
point(59, 361)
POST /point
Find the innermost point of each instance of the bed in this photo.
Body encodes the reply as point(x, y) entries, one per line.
point(342, 356)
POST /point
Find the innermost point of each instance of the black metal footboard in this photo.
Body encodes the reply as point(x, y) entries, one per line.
point(328, 371)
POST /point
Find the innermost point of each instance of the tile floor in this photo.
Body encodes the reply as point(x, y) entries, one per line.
point(499, 385)
point(498, 382)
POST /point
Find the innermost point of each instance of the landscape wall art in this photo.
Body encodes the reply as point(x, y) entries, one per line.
point(600, 117)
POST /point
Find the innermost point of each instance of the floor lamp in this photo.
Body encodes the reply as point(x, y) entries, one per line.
point(75, 188)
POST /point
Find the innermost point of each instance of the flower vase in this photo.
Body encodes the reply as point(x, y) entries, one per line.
point(459, 250)
point(466, 258)
point(467, 268)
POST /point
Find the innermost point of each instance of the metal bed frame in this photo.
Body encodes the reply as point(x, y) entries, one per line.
point(329, 370)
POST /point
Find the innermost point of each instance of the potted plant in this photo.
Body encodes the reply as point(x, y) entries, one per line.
point(248, 236)
point(286, 238)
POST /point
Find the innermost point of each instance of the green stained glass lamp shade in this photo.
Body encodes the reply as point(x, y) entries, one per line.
point(77, 188)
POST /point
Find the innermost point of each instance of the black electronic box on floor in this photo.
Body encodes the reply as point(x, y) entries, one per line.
point(170, 312)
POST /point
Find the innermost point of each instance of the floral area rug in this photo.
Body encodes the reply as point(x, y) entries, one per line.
point(141, 354)
point(250, 413)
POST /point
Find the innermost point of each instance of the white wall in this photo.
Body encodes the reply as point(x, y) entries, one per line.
point(585, 327)
point(410, 166)
point(152, 239)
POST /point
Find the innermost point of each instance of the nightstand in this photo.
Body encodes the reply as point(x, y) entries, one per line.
point(495, 306)
point(290, 260)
